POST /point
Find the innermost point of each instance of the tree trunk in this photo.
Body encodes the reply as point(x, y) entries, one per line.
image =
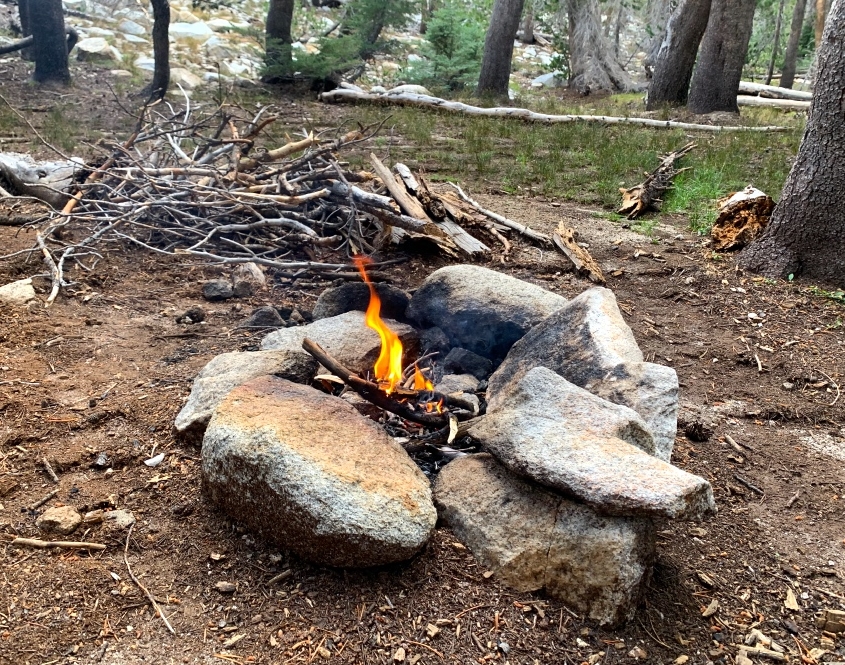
point(26, 29)
point(821, 13)
point(770, 72)
point(723, 50)
point(47, 22)
point(161, 50)
point(806, 233)
point(620, 12)
point(591, 63)
point(278, 58)
point(790, 56)
point(528, 24)
point(498, 48)
point(676, 57)
point(657, 13)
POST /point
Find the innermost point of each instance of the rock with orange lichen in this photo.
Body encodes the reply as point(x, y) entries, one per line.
point(306, 470)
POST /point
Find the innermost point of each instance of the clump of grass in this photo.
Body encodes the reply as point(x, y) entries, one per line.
point(694, 193)
point(58, 129)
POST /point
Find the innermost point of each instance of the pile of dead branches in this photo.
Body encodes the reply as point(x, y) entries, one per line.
point(206, 188)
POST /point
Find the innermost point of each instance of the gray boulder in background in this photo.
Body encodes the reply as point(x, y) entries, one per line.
point(568, 439)
point(229, 370)
point(306, 470)
point(480, 309)
point(355, 296)
point(534, 539)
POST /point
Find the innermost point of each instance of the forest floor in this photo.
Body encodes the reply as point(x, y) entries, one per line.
point(106, 369)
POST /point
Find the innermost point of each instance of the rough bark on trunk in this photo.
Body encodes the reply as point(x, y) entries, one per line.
point(591, 63)
point(790, 56)
point(527, 36)
point(776, 44)
point(47, 22)
point(278, 58)
point(676, 57)
point(657, 13)
point(821, 13)
point(806, 233)
point(26, 29)
point(161, 50)
point(716, 78)
point(498, 48)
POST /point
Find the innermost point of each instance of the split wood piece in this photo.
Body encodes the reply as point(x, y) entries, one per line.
point(785, 104)
point(760, 651)
point(584, 263)
point(528, 232)
point(773, 91)
point(371, 391)
point(648, 194)
point(143, 589)
point(63, 544)
point(250, 163)
point(425, 101)
point(742, 217)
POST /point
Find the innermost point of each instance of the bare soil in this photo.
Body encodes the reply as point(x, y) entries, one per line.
point(106, 369)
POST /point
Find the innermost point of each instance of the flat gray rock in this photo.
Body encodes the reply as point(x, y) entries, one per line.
point(309, 472)
point(229, 370)
point(534, 539)
point(480, 309)
point(346, 337)
point(589, 344)
point(568, 439)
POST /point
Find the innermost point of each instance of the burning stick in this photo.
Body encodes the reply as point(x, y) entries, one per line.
point(372, 392)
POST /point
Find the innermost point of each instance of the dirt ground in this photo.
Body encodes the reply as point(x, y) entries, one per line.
point(93, 384)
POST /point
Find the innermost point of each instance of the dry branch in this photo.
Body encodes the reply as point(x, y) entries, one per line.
point(773, 91)
point(648, 194)
point(564, 239)
point(424, 101)
point(63, 544)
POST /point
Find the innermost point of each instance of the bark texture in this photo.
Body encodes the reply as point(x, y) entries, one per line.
point(161, 50)
point(790, 56)
point(498, 48)
point(657, 13)
point(47, 23)
point(591, 61)
point(26, 29)
point(806, 233)
point(676, 56)
point(278, 57)
point(527, 36)
point(716, 78)
point(770, 71)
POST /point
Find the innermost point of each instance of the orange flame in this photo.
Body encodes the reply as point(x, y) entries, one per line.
point(388, 367)
point(420, 382)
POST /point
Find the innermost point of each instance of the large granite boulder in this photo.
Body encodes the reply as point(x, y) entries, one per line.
point(479, 309)
point(589, 344)
point(230, 370)
point(355, 296)
point(307, 471)
point(535, 539)
point(345, 337)
point(568, 439)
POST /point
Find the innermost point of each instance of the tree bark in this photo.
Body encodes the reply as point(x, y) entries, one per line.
point(161, 50)
point(26, 29)
point(790, 56)
point(278, 58)
point(806, 233)
point(723, 50)
point(676, 56)
point(47, 22)
point(591, 62)
point(776, 44)
point(657, 15)
point(528, 24)
point(821, 13)
point(498, 48)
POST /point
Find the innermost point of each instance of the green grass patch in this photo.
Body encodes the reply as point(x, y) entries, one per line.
point(59, 129)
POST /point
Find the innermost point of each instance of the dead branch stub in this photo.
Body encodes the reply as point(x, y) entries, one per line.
point(648, 195)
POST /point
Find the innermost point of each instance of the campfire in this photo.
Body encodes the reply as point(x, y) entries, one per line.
point(403, 390)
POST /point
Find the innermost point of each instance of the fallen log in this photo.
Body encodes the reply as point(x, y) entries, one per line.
point(583, 262)
point(409, 99)
point(773, 91)
point(785, 104)
point(648, 194)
